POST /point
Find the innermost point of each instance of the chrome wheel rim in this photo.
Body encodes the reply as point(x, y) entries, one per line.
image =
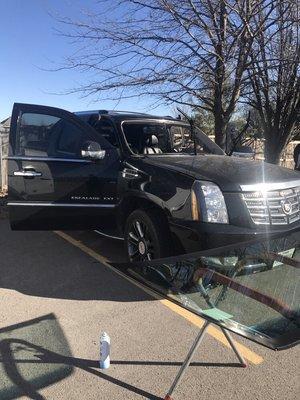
point(139, 242)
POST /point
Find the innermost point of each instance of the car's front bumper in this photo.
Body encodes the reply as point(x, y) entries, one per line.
point(196, 236)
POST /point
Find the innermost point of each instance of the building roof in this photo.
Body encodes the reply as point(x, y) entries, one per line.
point(5, 123)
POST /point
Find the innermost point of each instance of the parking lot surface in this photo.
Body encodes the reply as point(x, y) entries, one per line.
point(57, 296)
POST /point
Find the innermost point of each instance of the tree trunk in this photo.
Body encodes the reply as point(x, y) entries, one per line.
point(220, 131)
point(273, 151)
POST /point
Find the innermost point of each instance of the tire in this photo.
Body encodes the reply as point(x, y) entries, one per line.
point(147, 236)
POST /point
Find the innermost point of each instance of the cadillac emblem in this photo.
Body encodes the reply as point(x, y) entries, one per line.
point(287, 206)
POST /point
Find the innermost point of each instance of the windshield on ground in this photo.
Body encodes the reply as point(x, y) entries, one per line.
point(161, 138)
point(252, 289)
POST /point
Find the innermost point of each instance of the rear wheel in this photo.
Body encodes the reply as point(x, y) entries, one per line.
point(147, 236)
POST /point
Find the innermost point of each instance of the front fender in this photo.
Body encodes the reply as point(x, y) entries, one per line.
point(166, 189)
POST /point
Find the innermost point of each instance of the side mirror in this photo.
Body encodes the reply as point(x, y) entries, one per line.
point(92, 151)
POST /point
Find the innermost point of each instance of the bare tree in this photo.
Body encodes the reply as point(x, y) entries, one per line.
point(191, 52)
point(274, 74)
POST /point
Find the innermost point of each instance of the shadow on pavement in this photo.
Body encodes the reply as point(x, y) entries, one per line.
point(42, 264)
point(29, 341)
point(35, 354)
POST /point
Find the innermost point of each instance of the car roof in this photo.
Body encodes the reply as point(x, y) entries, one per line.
point(122, 115)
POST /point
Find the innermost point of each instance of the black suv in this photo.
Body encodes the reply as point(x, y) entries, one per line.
point(141, 178)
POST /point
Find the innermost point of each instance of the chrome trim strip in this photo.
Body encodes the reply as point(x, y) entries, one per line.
point(126, 163)
point(108, 236)
point(27, 174)
point(258, 187)
point(20, 158)
point(45, 204)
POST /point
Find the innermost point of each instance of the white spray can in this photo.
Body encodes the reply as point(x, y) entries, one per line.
point(104, 350)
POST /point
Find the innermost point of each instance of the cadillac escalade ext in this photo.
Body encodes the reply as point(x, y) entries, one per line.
point(145, 179)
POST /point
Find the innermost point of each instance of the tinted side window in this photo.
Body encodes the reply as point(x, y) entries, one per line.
point(70, 139)
point(41, 135)
point(34, 133)
point(106, 130)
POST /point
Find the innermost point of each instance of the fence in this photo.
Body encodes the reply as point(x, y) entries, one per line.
point(286, 160)
point(3, 162)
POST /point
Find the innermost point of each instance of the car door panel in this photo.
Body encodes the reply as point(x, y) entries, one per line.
point(64, 193)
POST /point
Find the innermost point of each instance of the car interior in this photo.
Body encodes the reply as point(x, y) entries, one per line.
point(160, 139)
point(152, 145)
point(147, 139)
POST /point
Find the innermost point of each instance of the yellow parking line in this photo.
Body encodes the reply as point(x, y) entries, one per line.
point(189, 316)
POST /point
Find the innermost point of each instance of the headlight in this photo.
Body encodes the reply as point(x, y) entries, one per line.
point(207, 203)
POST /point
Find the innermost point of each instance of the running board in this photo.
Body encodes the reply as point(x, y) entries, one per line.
point(108, 235)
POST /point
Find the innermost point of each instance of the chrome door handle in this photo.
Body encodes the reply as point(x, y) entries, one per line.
point(27, 174)
point(128, 173)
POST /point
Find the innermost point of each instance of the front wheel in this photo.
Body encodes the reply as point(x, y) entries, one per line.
point(147, 236)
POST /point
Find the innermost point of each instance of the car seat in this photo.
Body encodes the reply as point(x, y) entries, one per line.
point(152, 146)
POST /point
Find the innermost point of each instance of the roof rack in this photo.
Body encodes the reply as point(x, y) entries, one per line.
point(110, 112)
point(127, 112)
point(107, 112)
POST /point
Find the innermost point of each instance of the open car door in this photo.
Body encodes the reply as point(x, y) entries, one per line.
point(62, 174)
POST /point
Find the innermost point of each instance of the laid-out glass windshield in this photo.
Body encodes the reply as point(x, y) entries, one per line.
point(251, 289)
point(163, 138)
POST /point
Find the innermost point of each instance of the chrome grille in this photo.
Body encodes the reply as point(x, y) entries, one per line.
point(274, 207)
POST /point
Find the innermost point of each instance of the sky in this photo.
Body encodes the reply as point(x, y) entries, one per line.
point(30, 46)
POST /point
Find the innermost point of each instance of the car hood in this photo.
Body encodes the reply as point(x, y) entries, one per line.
point(229, 173)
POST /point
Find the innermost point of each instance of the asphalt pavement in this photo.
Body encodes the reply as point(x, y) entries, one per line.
point(57, 295)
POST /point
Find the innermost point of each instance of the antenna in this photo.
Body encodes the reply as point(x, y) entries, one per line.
point(191, 122)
